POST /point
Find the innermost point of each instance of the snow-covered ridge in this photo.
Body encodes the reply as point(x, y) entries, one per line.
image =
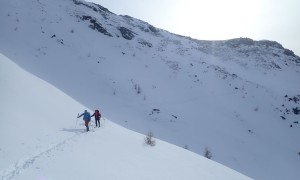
point(39, 140)
point(239, 97)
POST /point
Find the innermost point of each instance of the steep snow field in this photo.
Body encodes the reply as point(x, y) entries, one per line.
point(239, 98)
point(39, 140)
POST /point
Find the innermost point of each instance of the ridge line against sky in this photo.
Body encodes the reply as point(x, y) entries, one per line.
point(275, 20)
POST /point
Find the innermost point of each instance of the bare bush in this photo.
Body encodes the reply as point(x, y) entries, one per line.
point(186, 147)
point(207, 153)
point(138, 89)
point(149, 139)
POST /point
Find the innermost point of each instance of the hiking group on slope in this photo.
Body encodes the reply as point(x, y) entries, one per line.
point(87, 118)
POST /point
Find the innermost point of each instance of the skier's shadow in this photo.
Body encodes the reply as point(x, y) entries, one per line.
point(76, 131)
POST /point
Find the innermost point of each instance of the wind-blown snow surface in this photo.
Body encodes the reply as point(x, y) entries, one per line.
point(39, 140)
point(239, 98)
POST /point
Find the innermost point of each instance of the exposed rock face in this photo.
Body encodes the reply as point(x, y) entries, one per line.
point(126, 33)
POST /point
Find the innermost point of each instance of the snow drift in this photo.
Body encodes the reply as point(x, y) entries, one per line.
point(39, 140)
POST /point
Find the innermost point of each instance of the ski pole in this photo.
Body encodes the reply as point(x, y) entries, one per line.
point(76, 120)
point(102, 122)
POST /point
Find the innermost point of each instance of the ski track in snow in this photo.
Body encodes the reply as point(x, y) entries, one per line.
point(25, 163)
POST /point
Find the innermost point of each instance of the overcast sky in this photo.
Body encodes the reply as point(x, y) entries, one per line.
point(277, 20)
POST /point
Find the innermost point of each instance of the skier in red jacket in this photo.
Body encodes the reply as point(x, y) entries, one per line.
point(97, 117)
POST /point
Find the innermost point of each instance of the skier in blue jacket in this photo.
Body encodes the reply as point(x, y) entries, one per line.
point(87, 118)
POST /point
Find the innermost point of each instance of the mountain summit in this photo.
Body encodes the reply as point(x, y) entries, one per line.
point(238, 98)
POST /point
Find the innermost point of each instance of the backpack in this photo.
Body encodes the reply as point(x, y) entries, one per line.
point(97, 114)
point(89, 116)
point(86, 116)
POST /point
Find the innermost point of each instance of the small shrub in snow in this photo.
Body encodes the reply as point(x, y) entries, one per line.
point(186, 147)
point(137, 88)
point(207, 153)
point(149, 139)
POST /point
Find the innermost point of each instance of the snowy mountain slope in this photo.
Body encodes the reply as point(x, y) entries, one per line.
point(237, 97)
point(39, 141)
